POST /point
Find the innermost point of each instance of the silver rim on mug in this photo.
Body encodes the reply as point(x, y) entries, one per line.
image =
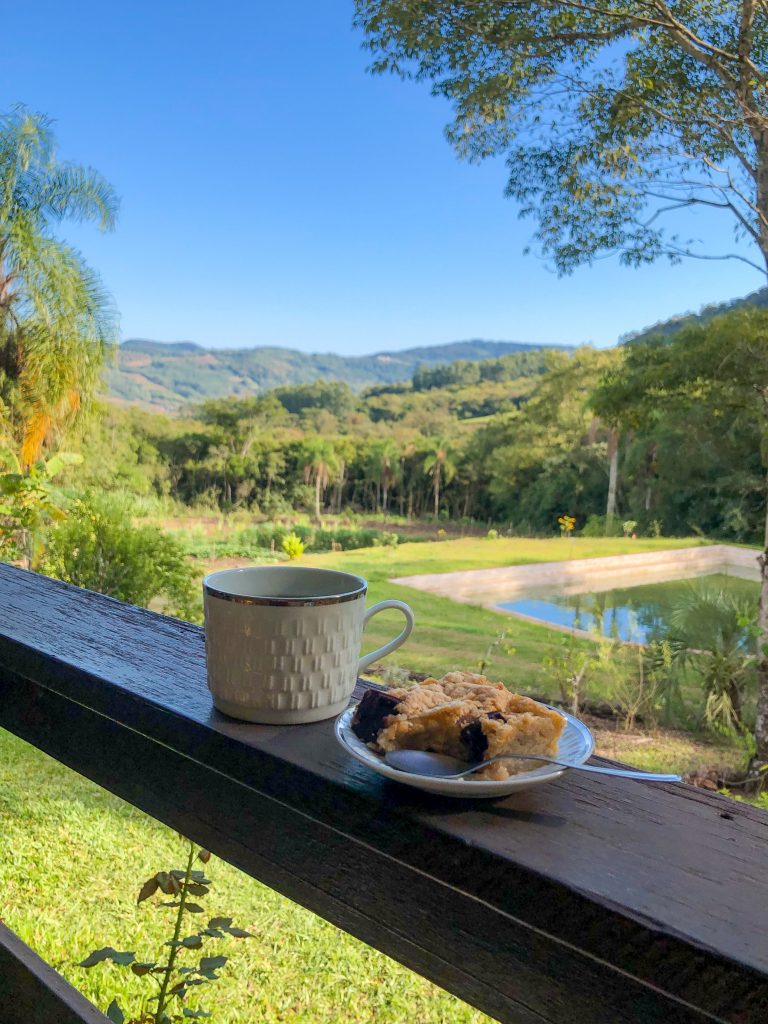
point(277, 602)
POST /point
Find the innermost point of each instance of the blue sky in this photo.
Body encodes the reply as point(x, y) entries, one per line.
point(274, 193)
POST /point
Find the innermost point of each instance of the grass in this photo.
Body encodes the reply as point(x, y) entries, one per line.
point(450, 635)
point(411, 559)
point(74, 856)
point(662, 750)
point(73, 860)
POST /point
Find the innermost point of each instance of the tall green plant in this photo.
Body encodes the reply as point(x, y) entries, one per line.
point(98, 547)
point(29, 503)
point(441, 467)
point(175, 977)
point(612, 114)
point(56, 321)
point(320, 465)
point(710, 631)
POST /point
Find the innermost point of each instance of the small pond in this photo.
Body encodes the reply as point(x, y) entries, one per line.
point(635, 614)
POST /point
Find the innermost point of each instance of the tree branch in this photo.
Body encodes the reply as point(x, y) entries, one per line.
point(675, 251)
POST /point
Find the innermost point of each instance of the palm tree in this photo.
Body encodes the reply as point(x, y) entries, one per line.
point(381, 467)
point(56, 322)
point(320, 465)
point(710, 630)
point(441, 467)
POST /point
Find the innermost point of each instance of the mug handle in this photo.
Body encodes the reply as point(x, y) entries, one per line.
point(381, 652)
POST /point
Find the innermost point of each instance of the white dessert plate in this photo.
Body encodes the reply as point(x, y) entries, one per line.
point(576, 744)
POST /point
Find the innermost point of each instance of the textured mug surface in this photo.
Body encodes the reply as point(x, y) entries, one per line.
point(283, 642)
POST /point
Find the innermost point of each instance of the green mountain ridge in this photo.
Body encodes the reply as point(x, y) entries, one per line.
point(705, 314)
point(168, 375)
point(165, 376)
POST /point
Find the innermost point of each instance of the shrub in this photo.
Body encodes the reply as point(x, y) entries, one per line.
point(492, 535)
point(713, 632)
point(99, 548)
point(597, 526)
point(293, 546)
point(351, 538)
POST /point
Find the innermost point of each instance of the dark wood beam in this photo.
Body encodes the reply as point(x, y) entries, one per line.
point(592, 900)
point(33, 993)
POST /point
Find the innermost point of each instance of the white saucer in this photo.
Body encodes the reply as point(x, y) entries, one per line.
point(576, 744)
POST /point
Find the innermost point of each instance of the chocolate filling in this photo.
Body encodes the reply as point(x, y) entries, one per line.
point(369, 718)
point(474, 739)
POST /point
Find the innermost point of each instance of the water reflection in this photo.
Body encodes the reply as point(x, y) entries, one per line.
point(637, 614)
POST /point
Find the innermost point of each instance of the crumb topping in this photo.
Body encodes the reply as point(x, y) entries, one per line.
point(462, 715)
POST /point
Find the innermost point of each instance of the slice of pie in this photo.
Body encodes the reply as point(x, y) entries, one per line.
point(462, 715)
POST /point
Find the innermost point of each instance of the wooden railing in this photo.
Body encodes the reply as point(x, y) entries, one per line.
point(593, 900)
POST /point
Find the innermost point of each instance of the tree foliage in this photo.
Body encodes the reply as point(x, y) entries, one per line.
point(611, 113)
point(29, 502)
point(98, 547)
point(685, 466)
point(56, 321)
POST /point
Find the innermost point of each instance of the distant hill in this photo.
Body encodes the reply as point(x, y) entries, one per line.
point(164, 376)
point(675, 323)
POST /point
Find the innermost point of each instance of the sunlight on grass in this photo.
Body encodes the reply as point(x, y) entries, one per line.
point(73, 860)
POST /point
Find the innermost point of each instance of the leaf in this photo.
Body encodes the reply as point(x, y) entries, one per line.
point(194, 908)
point(220, 922)
point(141, 969)
point(168, 882)
point(198, 890)
point(114, 1013)
point(190, 942)
point(204, 855)
point(107, 953)
point(56, 463)
point(210, 964)
point(195, 1014)
point(239, 933)
point(148, 889)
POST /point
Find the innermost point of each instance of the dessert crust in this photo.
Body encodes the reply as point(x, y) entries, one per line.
point(462, 715)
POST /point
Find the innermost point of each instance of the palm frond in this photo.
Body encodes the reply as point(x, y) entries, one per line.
point(69, 191)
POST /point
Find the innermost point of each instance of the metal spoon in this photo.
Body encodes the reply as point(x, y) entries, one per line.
point(440, 766)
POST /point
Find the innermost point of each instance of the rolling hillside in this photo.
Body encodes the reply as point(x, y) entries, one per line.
point(164, 376)
point(675, 323)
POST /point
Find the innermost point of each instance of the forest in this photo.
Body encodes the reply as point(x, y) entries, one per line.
point(514, 442)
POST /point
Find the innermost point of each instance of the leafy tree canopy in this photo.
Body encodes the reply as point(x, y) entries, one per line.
point(56, 321)
point(722, 365)
point(611, 113)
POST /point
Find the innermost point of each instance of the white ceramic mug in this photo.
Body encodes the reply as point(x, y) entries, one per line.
point(282, 643)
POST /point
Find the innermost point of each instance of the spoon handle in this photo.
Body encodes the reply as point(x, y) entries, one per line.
point(624, 773)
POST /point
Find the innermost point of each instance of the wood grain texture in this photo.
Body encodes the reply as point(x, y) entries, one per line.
point(590, 899)
point(31, 992)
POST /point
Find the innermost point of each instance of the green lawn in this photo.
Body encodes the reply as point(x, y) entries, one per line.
point(72, 863)
point(481, 553)
point(449, 635)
